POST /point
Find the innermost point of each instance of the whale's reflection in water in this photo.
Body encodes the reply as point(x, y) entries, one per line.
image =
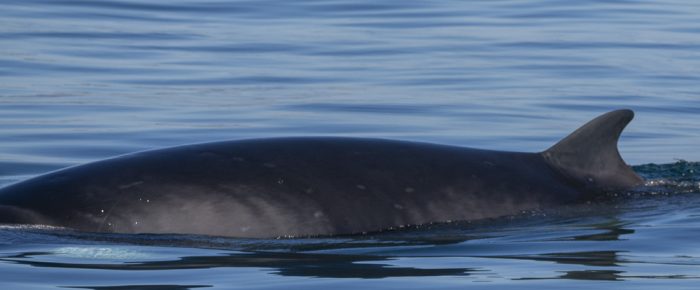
point(145, 287)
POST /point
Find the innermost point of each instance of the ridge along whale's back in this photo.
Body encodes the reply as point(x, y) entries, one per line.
point(313, 186)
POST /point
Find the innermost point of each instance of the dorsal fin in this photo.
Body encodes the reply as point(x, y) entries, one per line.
point(589, 155)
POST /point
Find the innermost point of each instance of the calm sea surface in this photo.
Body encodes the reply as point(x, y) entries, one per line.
point(83, 80)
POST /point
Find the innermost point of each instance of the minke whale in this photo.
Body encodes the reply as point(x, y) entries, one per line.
point(308, 186)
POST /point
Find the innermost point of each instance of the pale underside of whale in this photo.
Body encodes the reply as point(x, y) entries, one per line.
point(318, 185)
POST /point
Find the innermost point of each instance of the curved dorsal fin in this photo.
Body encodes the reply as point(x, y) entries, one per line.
point(590, 157)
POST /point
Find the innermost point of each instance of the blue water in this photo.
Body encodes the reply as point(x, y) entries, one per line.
point(85, 80)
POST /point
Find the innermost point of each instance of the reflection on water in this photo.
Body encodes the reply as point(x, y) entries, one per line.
point(604, 275)
point(610, 231)
point(285, 264)
point(142, 287)
point(599, 259)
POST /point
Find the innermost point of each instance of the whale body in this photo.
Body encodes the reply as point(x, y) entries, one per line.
point(306, 186)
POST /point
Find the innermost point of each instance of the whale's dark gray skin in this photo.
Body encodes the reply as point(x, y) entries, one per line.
point(318, 186)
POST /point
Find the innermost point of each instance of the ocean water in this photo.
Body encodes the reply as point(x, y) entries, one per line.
point(83, 80)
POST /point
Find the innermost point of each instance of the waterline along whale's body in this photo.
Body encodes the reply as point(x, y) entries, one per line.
point(318, 186)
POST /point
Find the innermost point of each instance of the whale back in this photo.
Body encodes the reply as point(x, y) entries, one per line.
point(589, 156)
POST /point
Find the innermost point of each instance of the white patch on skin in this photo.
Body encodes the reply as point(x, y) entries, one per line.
point(125, 186)
point(219, 213)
